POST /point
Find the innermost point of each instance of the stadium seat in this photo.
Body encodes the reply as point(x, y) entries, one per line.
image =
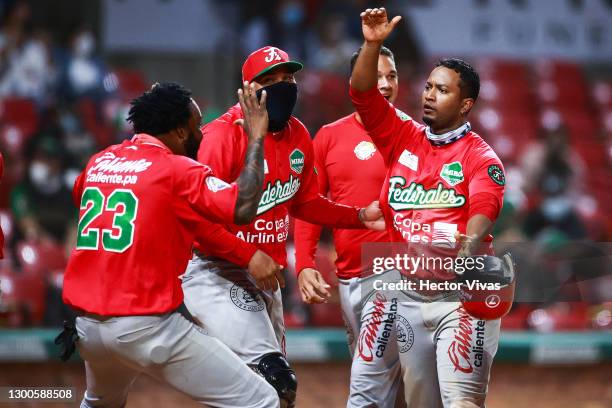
point(602, 93)
point(40, 257)
point(7, 223)
point(21, 113)
point(326, 315)
point(22, 302)
point(131, 83)
point(516, 319)
point(560, 317)
point(30, 290)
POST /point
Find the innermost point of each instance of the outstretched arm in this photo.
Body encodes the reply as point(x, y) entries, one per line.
point(380, 118)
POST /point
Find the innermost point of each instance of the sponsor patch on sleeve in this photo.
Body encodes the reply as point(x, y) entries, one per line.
point(496, 174)
point(403, 116)
point(215, 184)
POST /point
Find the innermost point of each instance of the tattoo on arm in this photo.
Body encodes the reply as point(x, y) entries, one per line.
point(250, 183)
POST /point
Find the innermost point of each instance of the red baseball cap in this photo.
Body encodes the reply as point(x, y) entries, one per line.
point(266, 59)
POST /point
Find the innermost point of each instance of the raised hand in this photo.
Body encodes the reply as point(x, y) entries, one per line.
point(255, 122)
point(375, 25)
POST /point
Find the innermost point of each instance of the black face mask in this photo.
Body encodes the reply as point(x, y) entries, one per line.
point(191, 146)
point(279, 104)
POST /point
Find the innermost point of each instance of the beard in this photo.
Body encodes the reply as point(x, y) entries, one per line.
point(427, 120)
point(192, 146)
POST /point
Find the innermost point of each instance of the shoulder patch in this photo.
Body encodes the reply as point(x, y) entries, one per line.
point(403, 116)
point(215, 184)
point(496, 174)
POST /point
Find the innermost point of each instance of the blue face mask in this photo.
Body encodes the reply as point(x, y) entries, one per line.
point(280, 102)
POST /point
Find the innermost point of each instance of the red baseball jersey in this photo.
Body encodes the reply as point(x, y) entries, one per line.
point(350, 171)
point(290, 187)
point(430, 191)
point(139, 207)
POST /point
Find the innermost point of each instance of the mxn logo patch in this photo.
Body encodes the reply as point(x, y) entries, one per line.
point(296, 161)
point(452, 173)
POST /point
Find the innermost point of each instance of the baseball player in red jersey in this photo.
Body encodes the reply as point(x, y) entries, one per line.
point(140, 203)
point(445, 184)
point(218, 284)
point(340, 148)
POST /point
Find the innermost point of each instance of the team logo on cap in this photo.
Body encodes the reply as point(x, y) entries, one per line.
point(296, 161)
point(246, 298)
point(273, 54)
point(364, 150)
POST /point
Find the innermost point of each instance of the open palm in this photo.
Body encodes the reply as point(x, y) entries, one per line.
point(375, 25)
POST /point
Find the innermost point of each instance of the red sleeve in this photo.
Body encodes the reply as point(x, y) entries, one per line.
point(310, 206)
point(223, 148)
point(202, 195)
point(486, 188)
point(322, 211)
point(306, 235)
point(382, 121)
point(486, 204)
point(77, 189)
point(214, 239)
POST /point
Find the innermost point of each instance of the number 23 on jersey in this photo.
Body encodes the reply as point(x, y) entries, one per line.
point(120, 236)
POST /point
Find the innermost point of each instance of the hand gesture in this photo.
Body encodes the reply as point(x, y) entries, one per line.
point(375, 26)
point(313, 287)
point(267, 273)
point(372, 217)
point(467, 244)
point(255, 122)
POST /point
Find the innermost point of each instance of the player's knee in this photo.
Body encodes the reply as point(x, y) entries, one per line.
point(462, 403)
point(276, 370)
point(269, 399)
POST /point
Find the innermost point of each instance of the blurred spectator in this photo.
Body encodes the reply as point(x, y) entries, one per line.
point(83, 71)
point(285, 27)
point(42, 203)
point(333, 46)
point(26, 68)
point(553, 175)
point(79, 143)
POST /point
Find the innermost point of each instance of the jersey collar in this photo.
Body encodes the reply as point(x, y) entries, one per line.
point(143, 138)
point(448, 137)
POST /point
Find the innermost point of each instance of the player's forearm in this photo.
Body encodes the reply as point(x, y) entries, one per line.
point(365, 72)
point(213, 239)
point(250, 182)
point(306, 238)
point(478, 227)
point(322, 211)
